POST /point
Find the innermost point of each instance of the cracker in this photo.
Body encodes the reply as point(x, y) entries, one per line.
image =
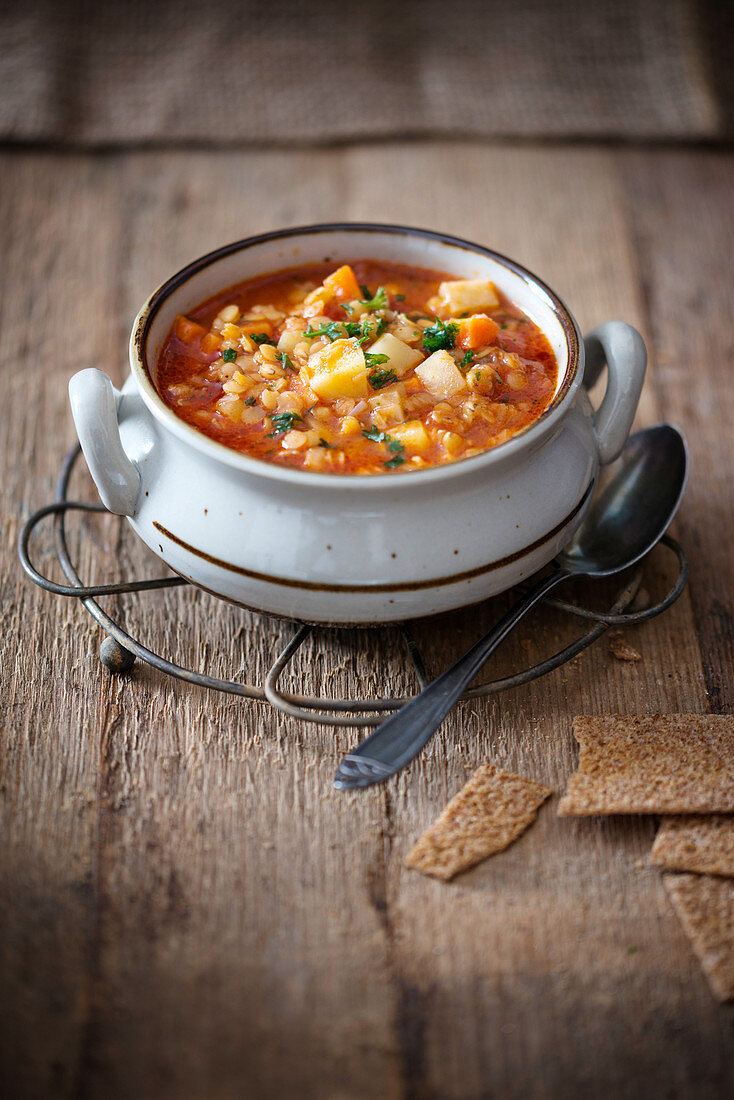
point(704, 905)
point(696, 842)
point(663, 763)
point(488, 813)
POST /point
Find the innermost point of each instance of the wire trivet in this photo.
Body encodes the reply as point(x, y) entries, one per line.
point(119, 649)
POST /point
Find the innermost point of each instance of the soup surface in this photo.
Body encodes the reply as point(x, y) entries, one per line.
point(366, 369)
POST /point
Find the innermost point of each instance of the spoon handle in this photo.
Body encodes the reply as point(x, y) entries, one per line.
point(403, 735)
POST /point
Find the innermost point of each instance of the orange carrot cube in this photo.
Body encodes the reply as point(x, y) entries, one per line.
point(211, 343)
point(187, 330)
point(258, 327)
point(476, 331)
point(342, 283)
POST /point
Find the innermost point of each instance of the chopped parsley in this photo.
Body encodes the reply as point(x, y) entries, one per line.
point(283, 422)
point(250, 401)
point(441, 334)
point(286, 361)
point(373, 360)
point(380, 378)
point(375, 435)
point(334, 330)
point(229, 355)
point(261, 338)
point(323, 443)
point(467, 360)
point(393, 445)
point(379, 301)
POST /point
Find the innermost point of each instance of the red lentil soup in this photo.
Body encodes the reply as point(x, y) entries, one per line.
point(366, 369)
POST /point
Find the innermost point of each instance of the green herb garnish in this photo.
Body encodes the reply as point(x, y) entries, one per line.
point(250, 401)
point(373, 360)
point(261, 338)
point(334, 330)
point(283, 422)
point(286, 361)
point(379, 301)
point(375, 435)
point(467, 360)
point(393, 445)
point(323, 443)
point(441, 334)
point(392, 463)
point(229, 355)
point(381, 378)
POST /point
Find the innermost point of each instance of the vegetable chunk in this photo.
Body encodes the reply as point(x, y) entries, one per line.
point(342, 283)
point(477, 331)
point(400, 357)
point(338, 370)
point(440, 375)
point(462, 294)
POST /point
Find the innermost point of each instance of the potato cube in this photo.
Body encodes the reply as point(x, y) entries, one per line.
point(463, 294)
point(412, 435)
point(440, 375)
point(400, 357)
point(338, 370)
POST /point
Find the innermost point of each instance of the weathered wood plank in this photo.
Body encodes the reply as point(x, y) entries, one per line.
point(189, 908)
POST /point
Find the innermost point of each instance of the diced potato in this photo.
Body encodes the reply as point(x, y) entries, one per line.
point(387, 408)
point(342, 283)
point(400, 357)
point(477, 331)
point(440, 375)
point(338, 370)
point(412, 435)
point(463, 294)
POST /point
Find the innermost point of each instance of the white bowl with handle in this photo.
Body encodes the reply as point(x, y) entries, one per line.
point(333, 548)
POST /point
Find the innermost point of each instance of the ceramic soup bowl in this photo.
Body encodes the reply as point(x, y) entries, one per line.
point(348, 549)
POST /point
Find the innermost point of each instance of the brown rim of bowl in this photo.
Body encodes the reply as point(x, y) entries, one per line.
point(560, 310)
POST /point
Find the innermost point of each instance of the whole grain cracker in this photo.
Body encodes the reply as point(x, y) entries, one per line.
point(696, 842)
point(490, 811)
point(664, 763)
point(705, 907)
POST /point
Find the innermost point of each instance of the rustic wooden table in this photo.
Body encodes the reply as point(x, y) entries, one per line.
point(189, 910)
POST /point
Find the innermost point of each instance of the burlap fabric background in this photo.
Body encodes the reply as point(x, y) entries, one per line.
point(129, 71)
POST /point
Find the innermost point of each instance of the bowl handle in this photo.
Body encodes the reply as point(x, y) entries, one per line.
point(94, 402)
point(623, 350)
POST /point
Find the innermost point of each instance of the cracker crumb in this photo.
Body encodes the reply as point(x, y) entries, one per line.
point(664, 763)
point(704, 905)
point(620, 649)
point(490, 811)
point(697, 842)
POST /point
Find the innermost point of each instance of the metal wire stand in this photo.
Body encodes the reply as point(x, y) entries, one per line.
point(119, 649)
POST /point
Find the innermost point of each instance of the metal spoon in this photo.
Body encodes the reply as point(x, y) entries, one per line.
point(624, 522)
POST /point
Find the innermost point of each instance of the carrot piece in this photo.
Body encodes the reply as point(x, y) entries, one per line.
point(187, 330)
point(476, 331)
point(210, 343)
point(342, 283)
point(257, 327)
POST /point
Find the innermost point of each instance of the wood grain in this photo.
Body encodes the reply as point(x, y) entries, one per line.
point(187, 907)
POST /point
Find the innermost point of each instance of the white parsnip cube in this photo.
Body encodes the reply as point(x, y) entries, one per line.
point(338, 370)
point(412, 435)
point(441, 376)
point(400, 357)
point(460, 295)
